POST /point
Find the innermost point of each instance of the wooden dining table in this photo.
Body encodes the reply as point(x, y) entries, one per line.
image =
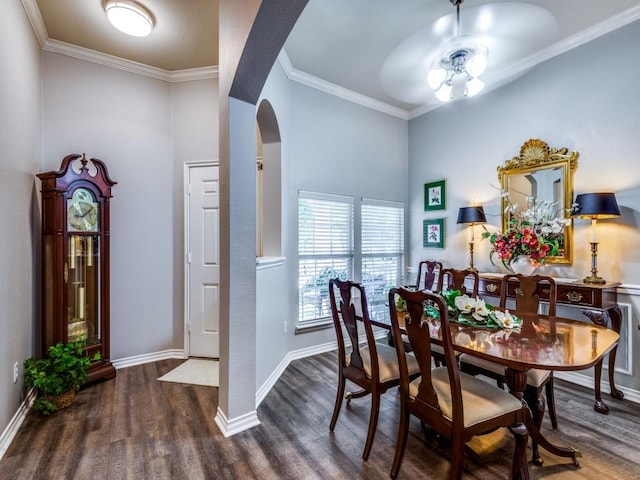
point(542, 342)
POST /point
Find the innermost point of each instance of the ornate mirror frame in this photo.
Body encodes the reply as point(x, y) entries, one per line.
point(537, 157)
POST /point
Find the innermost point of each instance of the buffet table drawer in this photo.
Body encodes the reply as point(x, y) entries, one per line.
point(577, 294)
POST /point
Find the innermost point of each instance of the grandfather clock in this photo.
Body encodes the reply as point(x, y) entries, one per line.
point(75, 258)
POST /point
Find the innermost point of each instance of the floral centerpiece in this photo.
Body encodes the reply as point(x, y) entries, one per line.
point(536, 233)
point(466, 310)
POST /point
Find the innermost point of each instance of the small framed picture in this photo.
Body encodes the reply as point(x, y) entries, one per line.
point(433, 233)
point(435, 196)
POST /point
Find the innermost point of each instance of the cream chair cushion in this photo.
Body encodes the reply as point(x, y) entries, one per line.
point(387, 362)
point(535, 377)
point(481, 401)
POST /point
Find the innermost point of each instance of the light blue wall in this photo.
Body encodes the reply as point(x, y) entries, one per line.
point(20, 155)
point(329, 145)
point(586, 99)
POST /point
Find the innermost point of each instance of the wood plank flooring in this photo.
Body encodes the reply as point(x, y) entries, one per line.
point(135, 427)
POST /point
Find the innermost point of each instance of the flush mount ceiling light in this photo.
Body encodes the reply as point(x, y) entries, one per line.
point(129, 17)
point(455, 73)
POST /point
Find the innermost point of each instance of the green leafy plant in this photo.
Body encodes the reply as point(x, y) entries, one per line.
point(466, 310)
point(63, 369)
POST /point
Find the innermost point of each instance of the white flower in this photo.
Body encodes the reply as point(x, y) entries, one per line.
point(464, 303)
point(504, 319)
point(481, 310)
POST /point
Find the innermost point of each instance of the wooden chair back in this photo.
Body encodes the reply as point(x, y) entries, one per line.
point(372, 367)
point(345, 313)
point(528, 292)
point(430, 271)
point(416, 327)
point(452, 279)
point(447, 415)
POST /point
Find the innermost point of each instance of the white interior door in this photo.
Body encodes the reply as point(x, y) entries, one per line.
point(203, 265)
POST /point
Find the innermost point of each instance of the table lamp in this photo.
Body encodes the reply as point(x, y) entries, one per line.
point(471, 215)
point(596, 206)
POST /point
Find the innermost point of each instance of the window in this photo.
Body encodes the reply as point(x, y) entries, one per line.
point(382, 252)
point(329, 248)
point(325, 251)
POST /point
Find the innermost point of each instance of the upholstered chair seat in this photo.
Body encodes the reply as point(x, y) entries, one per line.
point(481, 401)
point(387, 362)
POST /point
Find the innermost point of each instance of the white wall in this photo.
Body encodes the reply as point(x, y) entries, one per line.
point(20, 124)
point(586, 100)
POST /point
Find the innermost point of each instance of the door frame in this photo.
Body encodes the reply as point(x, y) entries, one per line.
point(185, 213)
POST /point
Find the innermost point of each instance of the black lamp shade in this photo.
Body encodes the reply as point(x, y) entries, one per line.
point(471, 215)
point(597, 205)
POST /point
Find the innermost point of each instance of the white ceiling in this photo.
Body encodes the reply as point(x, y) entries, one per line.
point(376, 52)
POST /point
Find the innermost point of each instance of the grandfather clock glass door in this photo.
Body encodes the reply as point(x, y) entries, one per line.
point(83, 285)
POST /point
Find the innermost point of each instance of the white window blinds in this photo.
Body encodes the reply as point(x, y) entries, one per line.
point(325, 250)
point(382, 252)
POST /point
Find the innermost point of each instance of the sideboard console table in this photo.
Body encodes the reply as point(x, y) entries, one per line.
point(599, 303)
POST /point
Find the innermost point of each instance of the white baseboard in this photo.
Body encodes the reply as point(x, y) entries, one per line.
point(236, 425)
point(297, 354)
point(14, 425)
point(148, 358)
point(282, 366)
point(587, 381)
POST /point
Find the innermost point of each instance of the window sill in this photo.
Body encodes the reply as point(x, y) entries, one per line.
point(314, 325)
point(269, 262)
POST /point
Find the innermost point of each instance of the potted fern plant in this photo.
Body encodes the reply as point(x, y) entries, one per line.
point(57, 376)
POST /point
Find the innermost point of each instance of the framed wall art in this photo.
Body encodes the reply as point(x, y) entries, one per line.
point(433, 233)
point(435, 196)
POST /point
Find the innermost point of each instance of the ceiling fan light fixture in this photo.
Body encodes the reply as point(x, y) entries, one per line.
point(474, 86)
point(444, 92)
point(130, 17)
point(454, 73)
point(435, 77)
point(477, 64)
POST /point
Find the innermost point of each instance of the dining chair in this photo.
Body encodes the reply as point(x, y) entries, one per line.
point(453, 403)
point(453, 279)
point(370, 365)
point(429, 271)
point(528, 289)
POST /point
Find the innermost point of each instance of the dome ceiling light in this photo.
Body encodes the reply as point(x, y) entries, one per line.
point(455, 73)
point(129, 17)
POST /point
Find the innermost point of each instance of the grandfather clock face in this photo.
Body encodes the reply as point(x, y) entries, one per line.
point(82, 212)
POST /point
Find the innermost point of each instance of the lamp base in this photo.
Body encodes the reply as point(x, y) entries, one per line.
point(594, 280)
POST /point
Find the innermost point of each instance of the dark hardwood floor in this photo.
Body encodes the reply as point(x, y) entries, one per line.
point(135, 427)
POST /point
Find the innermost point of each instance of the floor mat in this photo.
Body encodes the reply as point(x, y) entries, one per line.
point(194, 371)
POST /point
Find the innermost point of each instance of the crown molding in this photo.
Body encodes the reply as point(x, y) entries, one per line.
point(607, 26)
point(63, 48)
point(33, 13)
point(192, 74)
point(37, 23)
point(82, 53)
point(336, 90)
point(112, 61)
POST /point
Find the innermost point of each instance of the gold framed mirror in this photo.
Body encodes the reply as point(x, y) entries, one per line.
point(541, 178)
